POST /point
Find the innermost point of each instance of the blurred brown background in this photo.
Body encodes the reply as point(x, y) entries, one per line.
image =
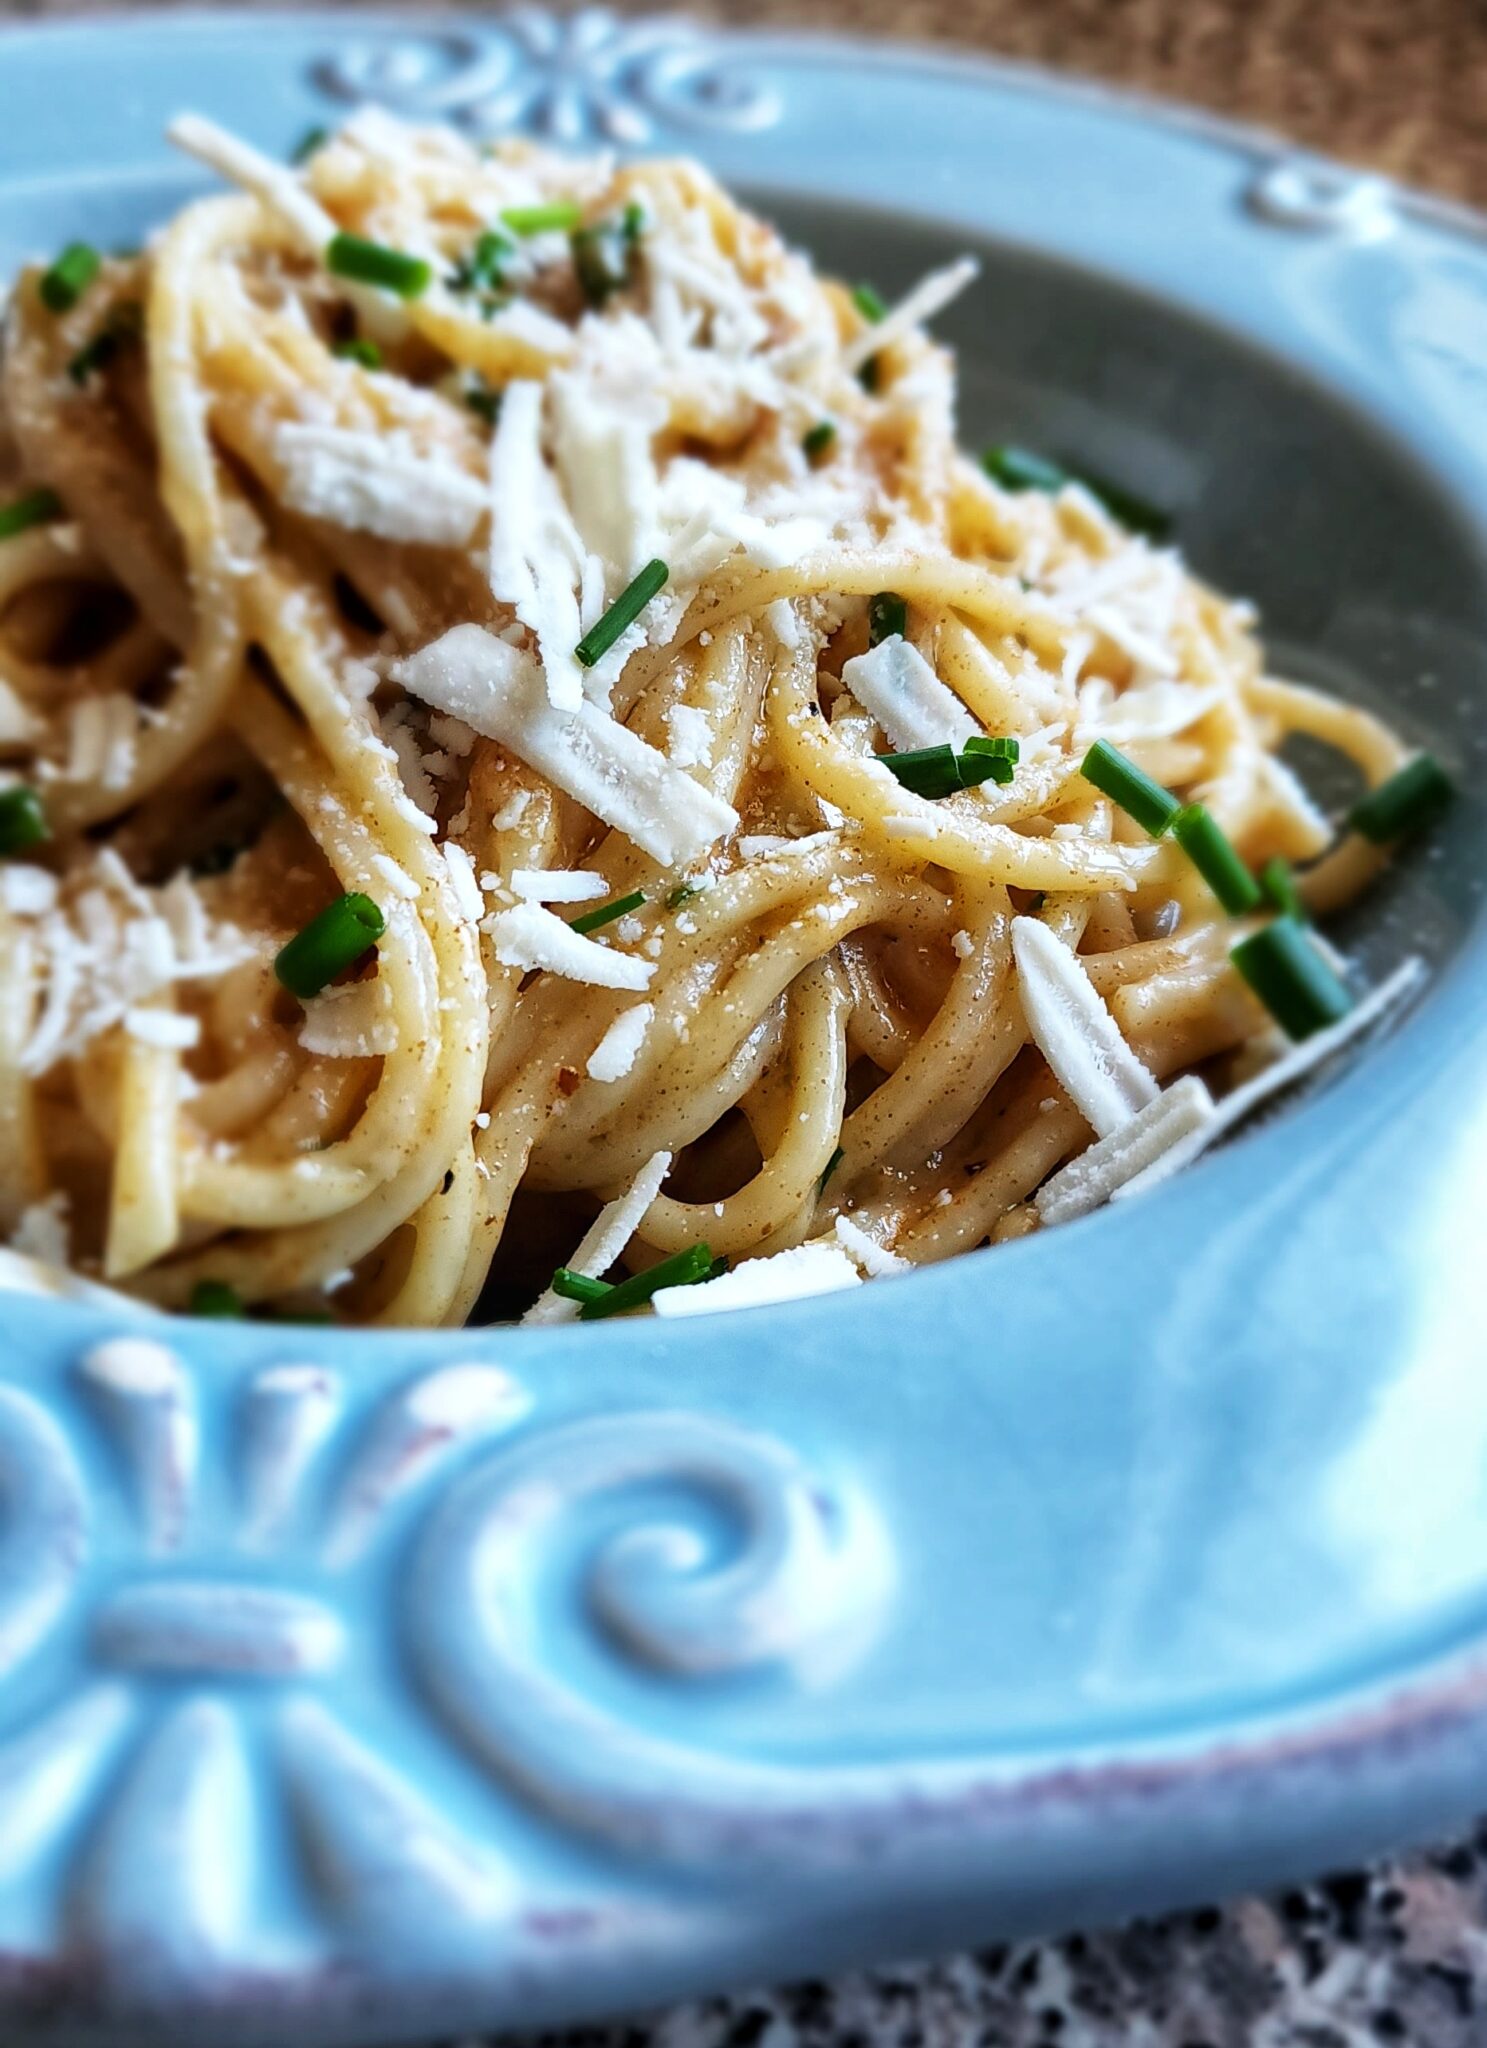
point(1400, 85)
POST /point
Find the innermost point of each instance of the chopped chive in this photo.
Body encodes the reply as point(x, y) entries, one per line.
point(1291, 978)
point(682, 1269)
point(818, 441)
point(935, 772)
point(562, 215)
point(330, 943)
point(1019, 469)
point(887, 615)
point(578, 1286)
point(682, 893)
point(22, 820)
point(359, 350)
point(124, 323)
point(622, 614)
point(216, 1298)
point(1278, 883)
point(484, 402)
point(1212, 852)
point(484, 269)
point(309, 142)
point(1131, 787)
point(1411, 799)
point(34, 509)
point(69, 277)
point(829, 1169)
point(868, 302)
point(604, 254)
point(367, 262)
point(594, 920)
point(870, 376)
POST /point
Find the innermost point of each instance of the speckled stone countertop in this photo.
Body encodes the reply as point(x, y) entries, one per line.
point(1364, 1959)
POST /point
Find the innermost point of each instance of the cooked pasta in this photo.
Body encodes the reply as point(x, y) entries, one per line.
point(529, 751)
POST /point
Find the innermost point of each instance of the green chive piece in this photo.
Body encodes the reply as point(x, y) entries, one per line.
point(329, 944)
point(682, 893)
point(682, 1269)
point(887, 614)
point(1019, 469)
point(124, 324)
point(367, 262)
point(935, 772)
point(1131, 787)
point(484, 402)
point(560, 215)
point(216, 1298)
point(578, 1286)
point(1212, 852)
point(22, 820)
point(484, 269)
point(604, 254)
point(1291, 978)
point(818, 441)
point(870, 376)
point(34, 509)
point(868, 303)
point(1278, 883)
point(829, 1169)
point(360, 351)
point(1412, 798)
point(312, 140)
point(622, 614)
point(594, 920)
point(69, 277)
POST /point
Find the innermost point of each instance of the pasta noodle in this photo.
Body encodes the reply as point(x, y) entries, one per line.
point(542, 552)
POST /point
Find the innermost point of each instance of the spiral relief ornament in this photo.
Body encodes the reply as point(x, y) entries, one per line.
point(570, 78)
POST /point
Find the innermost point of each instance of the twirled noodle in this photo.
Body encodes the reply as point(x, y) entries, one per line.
point(299, 618)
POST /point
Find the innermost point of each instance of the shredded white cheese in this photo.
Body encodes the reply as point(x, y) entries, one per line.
point(930, 296)
point(536, 555)
point(397, 878)
point(272, 185)
point(27, 891)
point(897, 685)
point(529, 937)
point(616, 1052)
point(606, 1237)
point(376, 483)
point(350, 1022)
point(1290, 1068)
point(168, 1029)
point(815, 1268)
point(1105, 1167)
point(557, 885)
point(461, 868)
point(588, 754)
point(875, 1259)
point(1074, 1031)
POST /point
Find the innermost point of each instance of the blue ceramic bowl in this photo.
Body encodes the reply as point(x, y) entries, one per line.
point(361, 1687)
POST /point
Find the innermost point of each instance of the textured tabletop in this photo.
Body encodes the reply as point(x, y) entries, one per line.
point(1361, 1960)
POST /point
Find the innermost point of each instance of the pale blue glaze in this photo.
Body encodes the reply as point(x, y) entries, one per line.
point(1140, 1562)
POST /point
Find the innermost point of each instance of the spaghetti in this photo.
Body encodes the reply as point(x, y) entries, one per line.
point(523, 731)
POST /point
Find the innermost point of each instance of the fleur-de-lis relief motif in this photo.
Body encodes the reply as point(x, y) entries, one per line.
point(568, 78)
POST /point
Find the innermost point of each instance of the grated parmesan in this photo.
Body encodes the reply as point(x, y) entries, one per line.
point(930, 296)
point(616, 1052)
point(897, 685)
point(1074, 1031)
point(557, 885)
point(815, 1268)
point(376, 483)
point(588, 754)
point(874, 1259)
point(1104, 1168)
point(604, 1240)
point(167, 1029)
point(531, 938)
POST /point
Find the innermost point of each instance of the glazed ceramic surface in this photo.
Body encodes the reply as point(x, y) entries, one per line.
point(356, 1687)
